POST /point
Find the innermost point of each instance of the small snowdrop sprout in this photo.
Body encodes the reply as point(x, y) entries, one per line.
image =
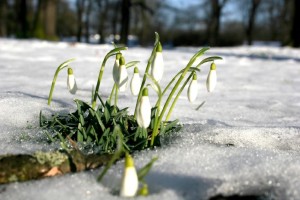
point(123, 75)
point(211, 81)
point(157, 67)
point(143, 115)
point(71, 81)
point(135, 82)
point(130, 182)
point(116, 68)
point(144, 191)
point(193, 89)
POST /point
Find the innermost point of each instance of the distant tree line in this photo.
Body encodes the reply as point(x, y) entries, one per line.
point(209, 22)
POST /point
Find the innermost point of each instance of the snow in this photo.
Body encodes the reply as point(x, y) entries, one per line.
point(244, 140)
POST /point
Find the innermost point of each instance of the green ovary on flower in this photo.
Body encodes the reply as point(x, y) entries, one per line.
point(143, 115)
point(157, 67)
point(130, 182)
point(71, 82)
point(211, 81)
point(135, 82)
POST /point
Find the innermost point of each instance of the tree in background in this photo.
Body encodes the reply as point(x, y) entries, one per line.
point(126, 7)
point(89, 5)
point(66, 21)
point(296, 24)
point(126, 4)
point(103, 7)
point(204, 22)
point(254, 4)
point(3, 18)
point(213, 25)
point(50, 19)
point(22, 25)
point(79, 10)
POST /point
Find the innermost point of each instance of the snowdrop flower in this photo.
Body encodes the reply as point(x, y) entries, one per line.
point(143, 115)
point(130, 182)
point(123, 75)
point(116, 68)
point(71, 81)
point(157, 67)
point(193, 89)
point(135, 82)
point(211, 81)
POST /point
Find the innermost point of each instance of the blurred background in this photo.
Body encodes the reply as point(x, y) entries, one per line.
point(133, 22)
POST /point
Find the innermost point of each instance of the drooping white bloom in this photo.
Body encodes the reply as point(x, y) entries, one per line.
point(135, 82)
point(71, 82)
point(143, 115)
point(193, 89)
point(157, 67)
point(130, 182)
point(211, 81)
point(123, 76)
point(115, 71)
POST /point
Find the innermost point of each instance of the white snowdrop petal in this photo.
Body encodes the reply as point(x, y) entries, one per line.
point(193, 90)
point(157, 68)
point(144, 115)
point(71, 84)
point(116, 71)
point(123, 78)
point(130, 183)
point(211, 81)
point(135, 84)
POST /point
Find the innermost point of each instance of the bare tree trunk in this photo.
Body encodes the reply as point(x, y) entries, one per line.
point(87, 21)
point(37, 28)
point(50, 19)
point(80, 9)
point(115, 20)
point(3, 17)
point(251, 20)
point(213, 28)
point(296, 24)
point(125, 21)
point(214, 21)
point(103, 6)
point(21, 9)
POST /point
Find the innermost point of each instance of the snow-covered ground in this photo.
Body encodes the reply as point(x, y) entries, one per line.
point(245, 139)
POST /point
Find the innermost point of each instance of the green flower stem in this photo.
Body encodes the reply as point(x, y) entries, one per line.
point(116, 96)
point(189, 65)
point(144, 78)
point(111, 53)
point(59, 68)
point(177, 96)
point(98, 82)
point(111, 93)
point(169, 84)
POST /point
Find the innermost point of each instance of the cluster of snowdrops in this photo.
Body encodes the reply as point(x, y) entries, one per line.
point(109, 126)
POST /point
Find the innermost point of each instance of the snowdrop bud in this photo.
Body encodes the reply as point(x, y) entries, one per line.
point(193, 89)
point(116, 68)
point(135, 82)
point(143, 115)
point(157, 67)
point(71, 81)
point(211, 81)
point(123, 75)
point(130, 182)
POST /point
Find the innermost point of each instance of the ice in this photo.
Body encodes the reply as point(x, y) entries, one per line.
point(244, 140)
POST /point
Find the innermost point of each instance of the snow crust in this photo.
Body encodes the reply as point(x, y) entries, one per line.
point(245, 139)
